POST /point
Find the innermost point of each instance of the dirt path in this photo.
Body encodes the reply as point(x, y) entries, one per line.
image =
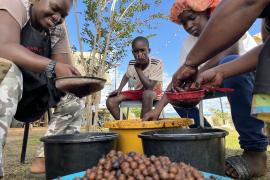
point(14, 170)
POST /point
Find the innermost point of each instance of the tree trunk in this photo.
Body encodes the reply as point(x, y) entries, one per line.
point(78, 35)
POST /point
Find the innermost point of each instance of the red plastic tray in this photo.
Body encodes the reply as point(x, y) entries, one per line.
point(133, 94)
point(194, 94)
point(186, 95)
point(137, 94)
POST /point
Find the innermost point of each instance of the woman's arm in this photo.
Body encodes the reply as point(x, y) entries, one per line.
point(245, 63)
point(226, 26)
point(12, 50)
point(62, 58)
point(215, 60)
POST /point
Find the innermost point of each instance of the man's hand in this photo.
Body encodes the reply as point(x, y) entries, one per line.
point(211, 77)
point(184, 77)
point(115, 93)
point(65, 70)
point(141, 61)
point(152, 115)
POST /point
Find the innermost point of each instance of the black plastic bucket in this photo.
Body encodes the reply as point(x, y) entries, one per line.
point(201, 148)
point(71, 153)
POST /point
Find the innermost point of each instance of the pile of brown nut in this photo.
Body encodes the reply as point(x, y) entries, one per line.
point(119, 166)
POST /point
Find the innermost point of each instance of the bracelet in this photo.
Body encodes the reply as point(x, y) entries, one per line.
point(50, 73)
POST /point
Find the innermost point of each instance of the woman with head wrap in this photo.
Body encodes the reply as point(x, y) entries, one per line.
point(194, 15)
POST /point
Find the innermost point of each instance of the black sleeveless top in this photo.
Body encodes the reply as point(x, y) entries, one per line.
point(262, 79)
point(39, 91)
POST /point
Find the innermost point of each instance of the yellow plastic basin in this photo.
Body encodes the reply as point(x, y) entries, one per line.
point(129, 130)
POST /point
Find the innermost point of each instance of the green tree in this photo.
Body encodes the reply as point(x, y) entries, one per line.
point(136, 111)
point(220, 118)
point(109, 27)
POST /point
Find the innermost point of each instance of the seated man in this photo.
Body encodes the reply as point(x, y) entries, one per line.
point(146, 74)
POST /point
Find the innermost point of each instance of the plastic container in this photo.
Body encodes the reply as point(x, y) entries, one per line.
point(133, 94)
point(66, 154)
point(202, 148)
point(81, 86)
point(187, 99)
point(205, 174)
point(190, 98)
point(129, 130)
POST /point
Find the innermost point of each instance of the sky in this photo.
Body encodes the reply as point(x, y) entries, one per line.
point(165, 45)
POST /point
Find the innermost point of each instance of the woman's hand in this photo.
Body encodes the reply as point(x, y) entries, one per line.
point(184, 77)
point(65, 70)
point(211, 77)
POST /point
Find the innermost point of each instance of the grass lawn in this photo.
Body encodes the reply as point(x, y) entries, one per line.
point(16, 171)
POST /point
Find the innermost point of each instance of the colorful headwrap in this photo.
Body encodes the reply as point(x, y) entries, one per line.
point(196, 5)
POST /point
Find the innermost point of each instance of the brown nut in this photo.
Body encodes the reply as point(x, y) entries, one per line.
point(173, 169)
point(164, 175)
point(148, 178)
point(106, 174)
point(91, 176)
point(155, 177)
point(147, 162)
point(157, 163)
point(151, 170)
point(141, 167)
point(140, 177)
point(102, 161)
point(127, 171)
point(122, 177)
point(136, 158)
point(108, 166)
point(124, 165)
point(111, 177)
point(130, 178)
point(133, 164)
point(145, 172)
point(172, 176)
point(129, 159)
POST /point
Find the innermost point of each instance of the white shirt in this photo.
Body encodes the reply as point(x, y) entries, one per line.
point(246, 43)
point(153, 71)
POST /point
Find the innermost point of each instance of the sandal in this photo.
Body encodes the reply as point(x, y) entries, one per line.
point(240, 165)
point(246, 166)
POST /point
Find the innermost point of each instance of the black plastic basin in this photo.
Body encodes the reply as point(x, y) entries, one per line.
point(67, 154)
point(202, 148)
